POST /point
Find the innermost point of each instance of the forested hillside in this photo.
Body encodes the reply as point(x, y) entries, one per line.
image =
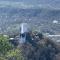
point(41, 48)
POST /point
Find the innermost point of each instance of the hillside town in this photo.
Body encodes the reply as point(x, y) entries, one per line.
point(29, 29)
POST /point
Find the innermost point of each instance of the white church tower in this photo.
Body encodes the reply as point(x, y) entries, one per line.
point(24, 30)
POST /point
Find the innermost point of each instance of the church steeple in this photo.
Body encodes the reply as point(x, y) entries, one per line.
point(24, 30)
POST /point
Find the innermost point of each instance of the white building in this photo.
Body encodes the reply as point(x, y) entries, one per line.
point(24, 27)
point(55, 21)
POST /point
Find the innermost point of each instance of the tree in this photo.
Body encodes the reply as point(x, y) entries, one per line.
point(15, 54)
point(4, 44)
point(8, 51)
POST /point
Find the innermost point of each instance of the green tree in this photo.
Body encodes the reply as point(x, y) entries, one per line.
point(4, 44)
point(15, 54)
point(8, 51)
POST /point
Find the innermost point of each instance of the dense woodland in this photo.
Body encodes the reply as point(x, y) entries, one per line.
point(41, 48)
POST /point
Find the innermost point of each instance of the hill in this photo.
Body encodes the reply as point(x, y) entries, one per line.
point(10, 18)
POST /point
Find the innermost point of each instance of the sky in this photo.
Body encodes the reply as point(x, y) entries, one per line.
point(31, 3)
